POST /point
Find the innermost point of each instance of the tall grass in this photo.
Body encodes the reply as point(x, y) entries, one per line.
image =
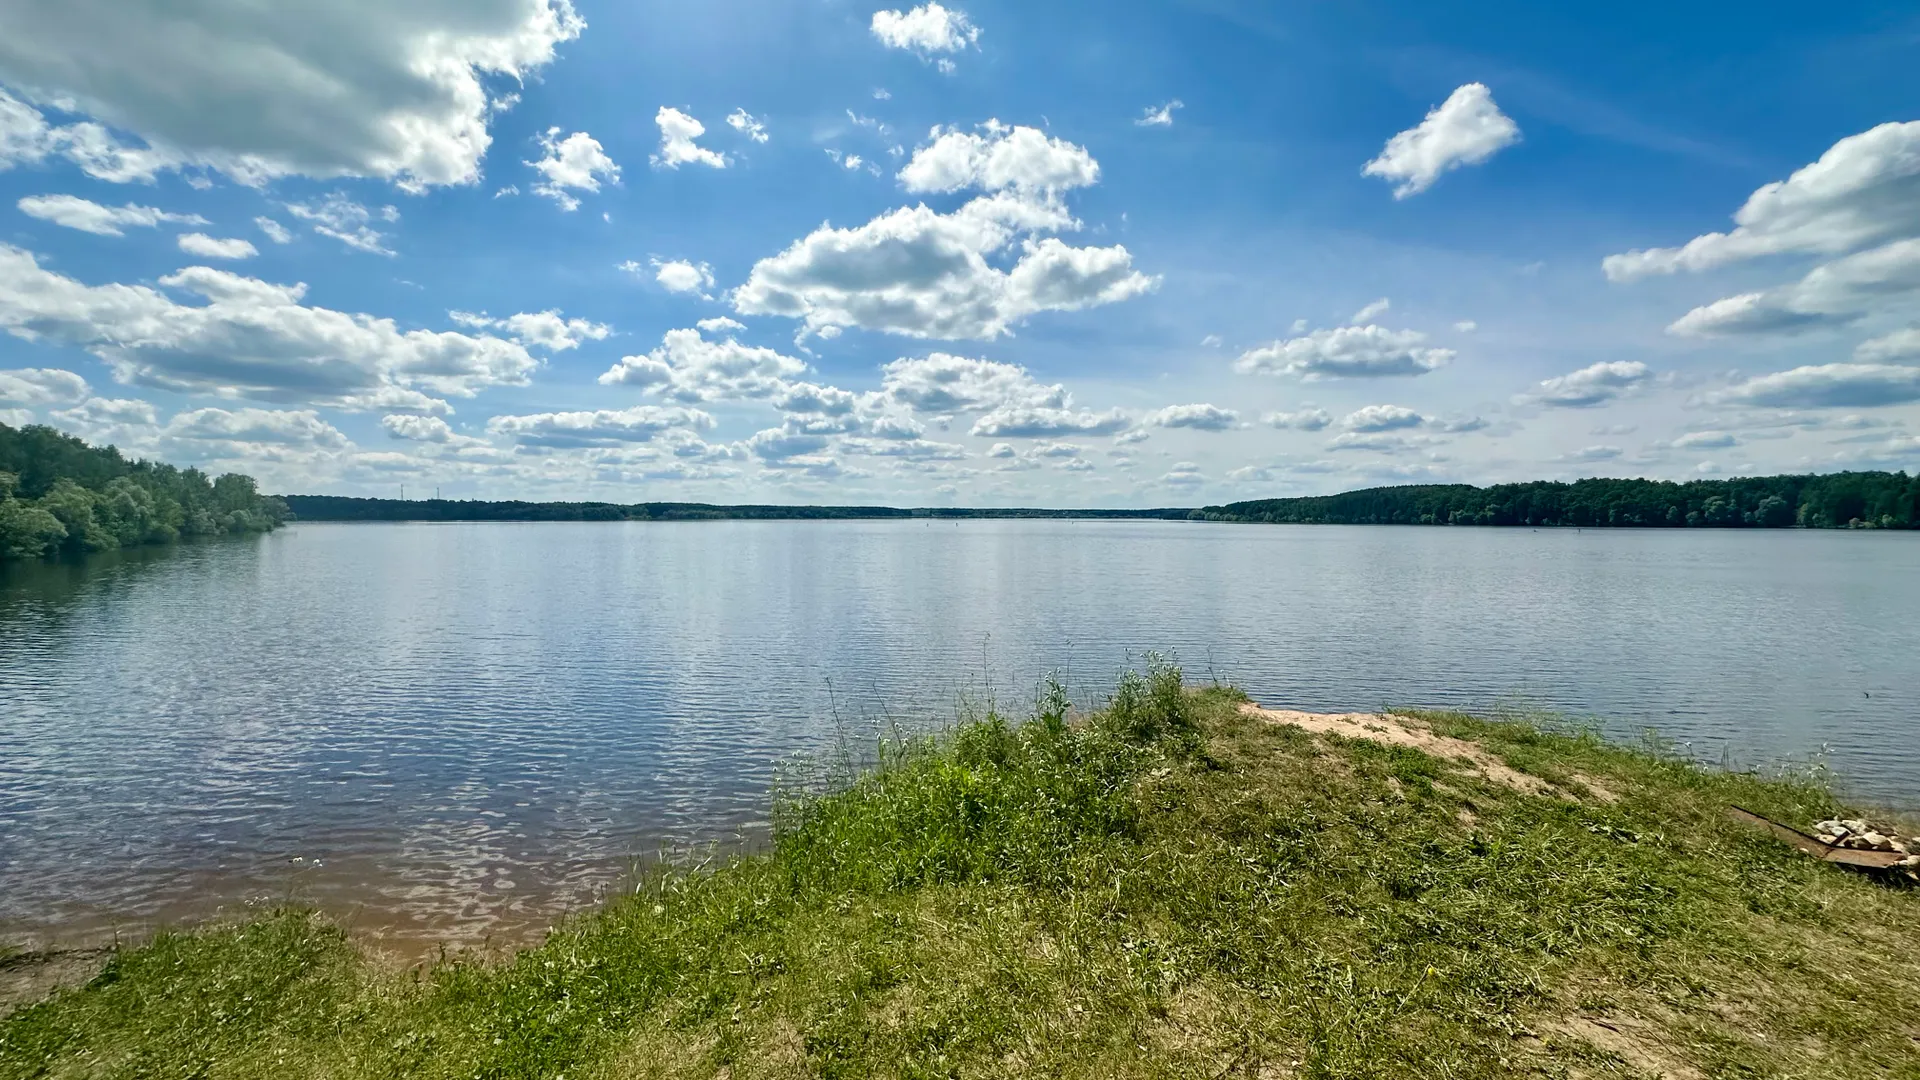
point(1163, 887)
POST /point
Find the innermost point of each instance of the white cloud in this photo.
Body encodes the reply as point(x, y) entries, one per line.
point(942, 383)
point(1184, 474)
point(1022, 422)
point(1346, 352)
point(923, 274)
point(1900, 345)
point(274, 231)
point(1592, 454)
point(77, 213)
point(42, 386)
point(1466, 129)
point(208, 247)
point(26, 138)
point(720, 324)
point(350, 88)
point(1212, 341)
point(999, 158)
point(1379, 442)
point(250, 339)
point(1466, 326)
point(1161, 116)
point(1200, 417)
point(1827, 386)
point(346, 221)
point(548, 330)
point(1305, 420)
point(1383, 418)
point(1371, 312)
point(1596, 384)
point(677, 148)
point(687, 367)
point(296, 428)
point(1705, 440)
point(746, 124)
point(567, 430)
point(680, 275)
point(575, 163)
point(427, 429)
point(1864, 189)
point(925, 30)
point(1837, 293)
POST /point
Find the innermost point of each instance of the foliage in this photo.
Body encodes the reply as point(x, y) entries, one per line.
point(1837, 500)
point(341, 508)
point(57, 494)
point(1169, 887)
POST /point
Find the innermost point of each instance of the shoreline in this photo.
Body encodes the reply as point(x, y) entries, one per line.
point(1115, 846)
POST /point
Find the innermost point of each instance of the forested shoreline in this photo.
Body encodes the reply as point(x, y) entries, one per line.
point(341, 508)
point(1873, 500)
point(60, 495)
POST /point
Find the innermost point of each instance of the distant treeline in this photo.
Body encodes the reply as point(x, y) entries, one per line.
point(59, 494)
point(338, 508)
point(1876, 500)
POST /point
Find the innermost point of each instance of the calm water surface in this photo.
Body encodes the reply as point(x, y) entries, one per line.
point(453, 732)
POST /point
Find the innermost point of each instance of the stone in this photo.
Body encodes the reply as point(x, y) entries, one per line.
point(1875, 841)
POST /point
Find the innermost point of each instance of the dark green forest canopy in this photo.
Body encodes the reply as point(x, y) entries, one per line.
point(1878, 500)
point(58, 494)
point(337, 508)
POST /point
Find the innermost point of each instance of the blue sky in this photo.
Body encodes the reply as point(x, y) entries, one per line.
point(991, 253)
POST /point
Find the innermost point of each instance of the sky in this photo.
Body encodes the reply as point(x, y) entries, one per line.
point(1115, 254)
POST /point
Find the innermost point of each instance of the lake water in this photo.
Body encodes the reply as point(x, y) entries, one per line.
point(459, 732)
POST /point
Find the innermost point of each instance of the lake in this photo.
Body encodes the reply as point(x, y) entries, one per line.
point(460, 732)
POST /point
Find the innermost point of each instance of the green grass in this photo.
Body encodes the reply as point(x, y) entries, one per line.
point(1169, 888)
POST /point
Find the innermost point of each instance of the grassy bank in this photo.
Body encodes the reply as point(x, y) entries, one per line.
point(1176, 886)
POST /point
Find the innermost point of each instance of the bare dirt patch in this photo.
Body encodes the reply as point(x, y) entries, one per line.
point(1632, 1042)
point(30, 977)
point(1408, 732)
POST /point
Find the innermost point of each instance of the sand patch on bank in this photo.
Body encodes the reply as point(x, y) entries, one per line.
point(29, 977)
point(1406, 731)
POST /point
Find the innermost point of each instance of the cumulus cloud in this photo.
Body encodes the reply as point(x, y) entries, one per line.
point(1827, 386)
point(274, 231)
point(250, 339)
point(1347, 352)
point(1022, 422)
point(679, 275)
point(942, 383)
point(27, 137)
point(1466, 129)
point(1184, 474)
point(42, 387)
point(575, 163)
point(1594, 385)
point(1865, 189)
point(1705, 440)
point(1160, 116)
point(300, 428)
point(923, 274)
point(688, 367)
point(1383, 418)
point(347, 221)
point(1304, 420)
point(77, 213)
point(927, 30)
point(747, 124)
point(677, 148)
point(1592, 455)
point(998, 157)
point(1834, 294)
point(426, 429)
point(548, 330)
point(1200, 417)
point(351, 88)
point(720, 324)
point(1901, 345)
point(209, 247)
point(604, 427)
